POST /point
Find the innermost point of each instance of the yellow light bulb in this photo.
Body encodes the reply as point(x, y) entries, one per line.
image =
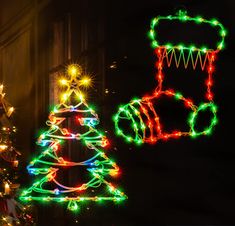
point(81, 96)
point(7, 188)
point(63, 81)
point(3, 147)
point(85, 81)
point(64, 96)
point(74, 70)
point(9, 112)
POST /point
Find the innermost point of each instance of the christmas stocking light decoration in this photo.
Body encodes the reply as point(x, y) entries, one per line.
point(142, 115)
point(74, 111)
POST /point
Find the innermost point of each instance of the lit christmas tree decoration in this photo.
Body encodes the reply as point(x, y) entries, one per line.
point(141, 114)
point(11, 211)
point(73, 110)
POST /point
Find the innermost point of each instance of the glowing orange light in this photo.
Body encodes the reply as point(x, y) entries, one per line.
point(113, 173)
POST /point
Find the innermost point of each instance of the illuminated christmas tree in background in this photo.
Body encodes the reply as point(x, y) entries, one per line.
point(139, 120)
point(72, 129)
point(11, 211)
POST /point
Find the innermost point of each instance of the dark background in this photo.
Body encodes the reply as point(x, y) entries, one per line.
point(178, 182)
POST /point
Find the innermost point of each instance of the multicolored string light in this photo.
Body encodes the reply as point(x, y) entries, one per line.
point(50, 161)
point(145, 125)
point(8, 152)
point(11, 211)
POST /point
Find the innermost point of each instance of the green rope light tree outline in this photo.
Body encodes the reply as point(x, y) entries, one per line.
point(98, 165)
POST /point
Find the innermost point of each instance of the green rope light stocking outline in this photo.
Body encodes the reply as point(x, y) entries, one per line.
point(167, 53)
